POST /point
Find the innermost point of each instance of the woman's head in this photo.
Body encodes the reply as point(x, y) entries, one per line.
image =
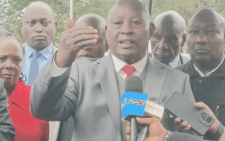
point(11, 58)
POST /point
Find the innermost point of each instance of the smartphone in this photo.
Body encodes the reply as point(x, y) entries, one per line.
point(180, 106)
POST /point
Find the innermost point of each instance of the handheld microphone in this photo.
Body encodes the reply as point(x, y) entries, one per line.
point(130, 102)
point(134, 103)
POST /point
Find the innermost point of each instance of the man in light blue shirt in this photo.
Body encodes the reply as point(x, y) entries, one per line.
point(38, 29)
point(43, 58)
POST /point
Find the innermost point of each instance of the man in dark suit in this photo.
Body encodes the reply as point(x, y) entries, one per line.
point(90, 89)
point(158, 133)
point(168, 39)
point(96, 50)
point(205, 42)
point(7, 131)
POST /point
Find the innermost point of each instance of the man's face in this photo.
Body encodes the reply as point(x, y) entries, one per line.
point(127, 34)
point(205, 40)
point(166, 42)
point(96, 50)
point(38, 27)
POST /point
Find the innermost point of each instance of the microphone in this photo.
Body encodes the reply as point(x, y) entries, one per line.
point(133, 94)
point(151, 112)
point(134, 103)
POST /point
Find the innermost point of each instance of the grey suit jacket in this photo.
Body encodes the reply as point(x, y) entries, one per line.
point(7, 131)
point(88, 90)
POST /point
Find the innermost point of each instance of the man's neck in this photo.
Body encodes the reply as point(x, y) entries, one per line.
point(207, 67)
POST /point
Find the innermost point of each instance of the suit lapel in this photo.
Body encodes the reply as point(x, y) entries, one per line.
point(155, 78)
point(105, 71)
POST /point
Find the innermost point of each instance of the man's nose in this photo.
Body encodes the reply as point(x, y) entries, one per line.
point(127, 28)
point(38, 28)
point(201, 38)
point(163, 45)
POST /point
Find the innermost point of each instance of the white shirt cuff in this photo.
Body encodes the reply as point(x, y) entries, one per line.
point(56, 70)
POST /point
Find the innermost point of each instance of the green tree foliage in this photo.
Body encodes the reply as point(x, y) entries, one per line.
point(11, 11)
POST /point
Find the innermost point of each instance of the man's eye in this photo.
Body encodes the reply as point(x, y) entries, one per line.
point(2, 59)
point(136, 22)
point(45, 23)
point(193, 31)
point(157, 37)
point(17, 60)
point(31, 23)
point(117, 22)
point(212, 31)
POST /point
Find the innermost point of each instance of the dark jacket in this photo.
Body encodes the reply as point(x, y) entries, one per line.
point(7, 131)
point(210, 90)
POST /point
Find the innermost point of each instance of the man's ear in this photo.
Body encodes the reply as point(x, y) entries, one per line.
point(55, 24)
point(151, 29)
point(184, 37)
point(21, 24)
point(106, 46)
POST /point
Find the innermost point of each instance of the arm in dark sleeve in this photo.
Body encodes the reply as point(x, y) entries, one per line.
point(216, 136)
point(177, 136)
point(7, 131)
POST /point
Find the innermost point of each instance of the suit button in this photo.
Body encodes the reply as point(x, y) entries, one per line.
point(199, 80)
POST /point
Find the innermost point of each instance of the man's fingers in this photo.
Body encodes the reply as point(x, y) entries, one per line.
point(72, 32)
point(183, 124)
point(128, 137)
point(127, 131)
point(147, 121)
point(124, 121)
point(188, 127)
point(202, 106)
point(69, 23)
point(171, 116)
point(177, 120)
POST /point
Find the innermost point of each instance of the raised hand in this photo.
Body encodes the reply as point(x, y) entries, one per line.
point(71, 41)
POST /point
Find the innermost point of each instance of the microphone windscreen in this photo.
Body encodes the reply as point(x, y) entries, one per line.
point(134, 84)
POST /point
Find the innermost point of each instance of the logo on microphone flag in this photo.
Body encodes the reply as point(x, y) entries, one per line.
point(137, 102)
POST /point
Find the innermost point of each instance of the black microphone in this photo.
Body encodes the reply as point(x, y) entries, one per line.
point(133, 84)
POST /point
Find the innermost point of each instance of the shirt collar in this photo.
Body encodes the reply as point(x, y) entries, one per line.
point(139, 66)
point(46, 52)
point(208, 74)
point(175, 62)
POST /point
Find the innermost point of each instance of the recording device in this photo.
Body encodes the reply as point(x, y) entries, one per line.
point(180, 106)
point(134, 103)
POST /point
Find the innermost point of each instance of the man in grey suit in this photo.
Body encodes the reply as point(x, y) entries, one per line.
point(158, 133)
point(90, 89)
point(96, 50)
point(7, 131)
point(168, 39)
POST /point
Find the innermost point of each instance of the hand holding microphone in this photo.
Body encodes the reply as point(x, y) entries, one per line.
point(134, 104)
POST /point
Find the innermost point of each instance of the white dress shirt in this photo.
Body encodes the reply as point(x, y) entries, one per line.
point(208, 74)
point(175, 62)
point(118, 65)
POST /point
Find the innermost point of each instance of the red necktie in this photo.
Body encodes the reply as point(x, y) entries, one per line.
point(128, 70)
